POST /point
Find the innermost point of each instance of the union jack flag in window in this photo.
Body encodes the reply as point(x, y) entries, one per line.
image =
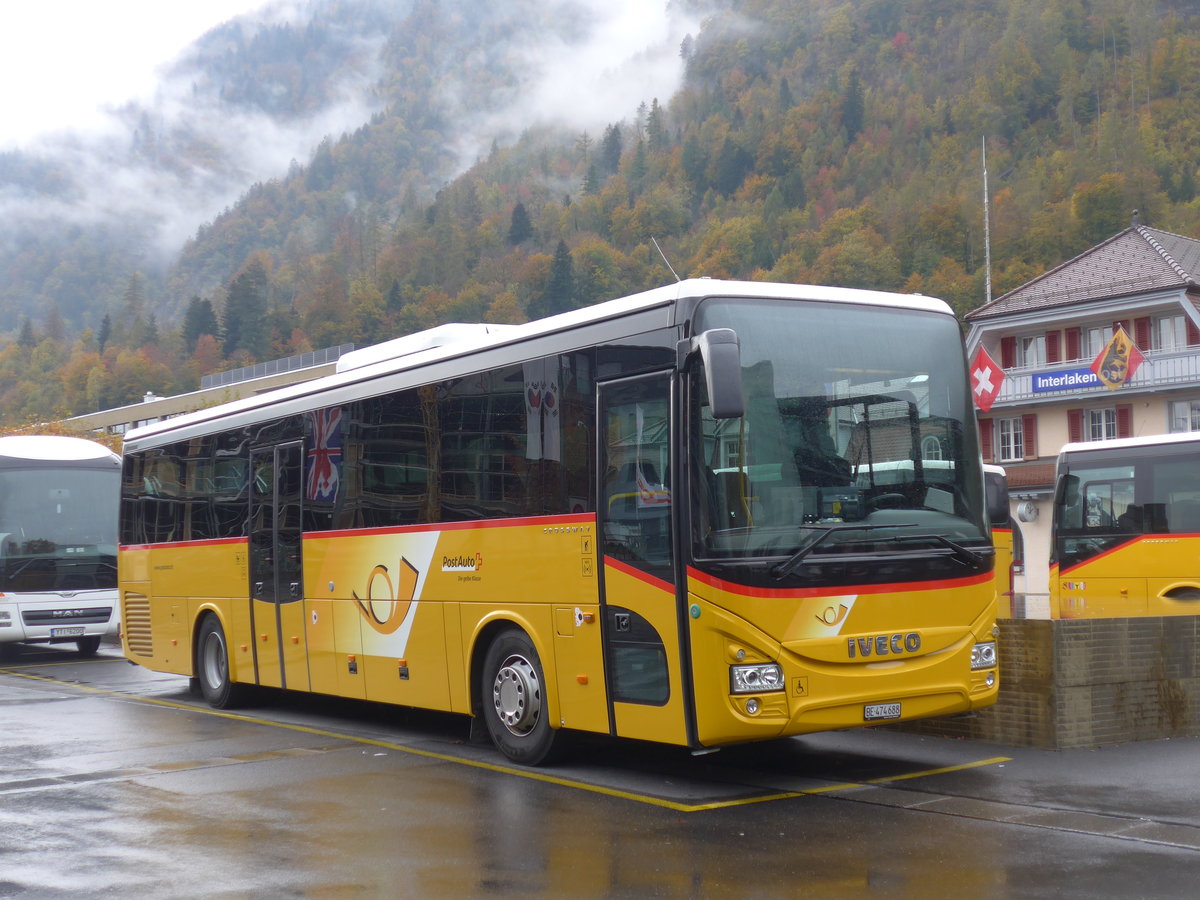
point(324, 463)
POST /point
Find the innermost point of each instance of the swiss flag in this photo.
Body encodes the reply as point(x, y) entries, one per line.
point(986, 378)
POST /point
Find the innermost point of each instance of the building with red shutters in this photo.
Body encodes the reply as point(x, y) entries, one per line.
point(1048, 336)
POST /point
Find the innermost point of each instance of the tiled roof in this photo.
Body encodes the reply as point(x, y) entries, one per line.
point(1137, 260)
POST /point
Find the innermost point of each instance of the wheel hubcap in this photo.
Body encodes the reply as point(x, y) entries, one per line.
point(214, 661)
point(517, 695)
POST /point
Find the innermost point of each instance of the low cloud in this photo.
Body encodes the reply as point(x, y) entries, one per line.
point(162, 167)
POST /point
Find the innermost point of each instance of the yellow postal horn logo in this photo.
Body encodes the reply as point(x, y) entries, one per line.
point(386, 605)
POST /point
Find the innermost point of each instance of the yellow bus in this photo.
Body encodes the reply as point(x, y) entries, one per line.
point(1005, 537)
point(1127, 528)
point(653, 518)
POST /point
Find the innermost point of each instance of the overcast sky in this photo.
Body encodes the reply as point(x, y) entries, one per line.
point(61, 61)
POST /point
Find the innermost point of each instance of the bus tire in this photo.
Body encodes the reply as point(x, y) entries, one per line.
point(212, 666)
point(88, 645)
point(513, 696)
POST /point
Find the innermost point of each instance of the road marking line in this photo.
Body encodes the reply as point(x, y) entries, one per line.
point(646, 799)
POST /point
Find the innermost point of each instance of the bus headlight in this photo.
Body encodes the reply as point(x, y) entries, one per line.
point(983, 656)
point(755, 679)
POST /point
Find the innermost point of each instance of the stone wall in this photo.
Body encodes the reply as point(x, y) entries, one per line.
point(1077, 683)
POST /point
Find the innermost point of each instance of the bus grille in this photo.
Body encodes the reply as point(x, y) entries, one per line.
point(135, 622)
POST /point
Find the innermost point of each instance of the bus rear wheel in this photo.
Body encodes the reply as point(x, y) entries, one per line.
point(513, 697)
point(212, 666)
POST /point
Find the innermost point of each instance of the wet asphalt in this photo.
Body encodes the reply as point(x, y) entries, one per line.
point(117, 782)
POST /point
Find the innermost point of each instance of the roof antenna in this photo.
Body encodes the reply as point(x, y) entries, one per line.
point(664, 257)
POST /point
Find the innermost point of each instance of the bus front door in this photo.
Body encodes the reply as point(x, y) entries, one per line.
point(276, 613)
point(641, 618)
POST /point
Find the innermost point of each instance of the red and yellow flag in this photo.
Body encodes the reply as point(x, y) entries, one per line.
point(1116, 363)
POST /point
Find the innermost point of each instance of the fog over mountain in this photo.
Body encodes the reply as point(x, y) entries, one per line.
point(254, 99)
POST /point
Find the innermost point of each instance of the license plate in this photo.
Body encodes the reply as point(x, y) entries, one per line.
point(873, 712)
point(69, 631)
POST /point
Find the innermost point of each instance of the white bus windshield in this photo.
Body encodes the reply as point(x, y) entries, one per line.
point(58, 528)
point(857, 435)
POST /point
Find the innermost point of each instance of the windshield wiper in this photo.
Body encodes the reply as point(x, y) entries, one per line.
point(964, 555)
point(790, 564)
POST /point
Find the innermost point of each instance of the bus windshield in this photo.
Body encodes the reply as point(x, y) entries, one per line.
point(58, 528)
point(857, 438)
point(1108, 497)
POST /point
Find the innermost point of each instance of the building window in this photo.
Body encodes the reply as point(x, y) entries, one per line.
point(1033, 351)
point(1097, 339)
point(1011, 438)
point(931, 447)
point(1170, 333)
point(1185, 416)
point(1101, 424)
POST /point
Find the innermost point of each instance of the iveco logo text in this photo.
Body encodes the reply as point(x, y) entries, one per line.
point(462, 563)
point(883, 644)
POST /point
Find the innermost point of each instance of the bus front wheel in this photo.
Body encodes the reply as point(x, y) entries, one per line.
point(513, 697)
point(212, 666)
point(88, 645)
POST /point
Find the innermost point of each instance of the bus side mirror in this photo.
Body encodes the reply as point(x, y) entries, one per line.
point(996, 489)
point(722, 357)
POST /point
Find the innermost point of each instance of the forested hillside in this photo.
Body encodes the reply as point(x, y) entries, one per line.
point(828, 142)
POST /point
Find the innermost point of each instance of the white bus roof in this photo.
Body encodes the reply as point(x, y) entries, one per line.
point(49, 447)
point(1150, 440)
point(422, 348)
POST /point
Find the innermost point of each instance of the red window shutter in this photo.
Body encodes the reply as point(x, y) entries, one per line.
point(1122, 323)
point(1053, 346)
point(1141, 333)
point(985, 439)
point(1193, 333)
point(1124, 420)
point(1029, 435)
point(1074, 425)
point(1008, 352)
point(1075, 341)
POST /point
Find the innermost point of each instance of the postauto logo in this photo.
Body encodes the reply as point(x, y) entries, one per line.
point(463, 562)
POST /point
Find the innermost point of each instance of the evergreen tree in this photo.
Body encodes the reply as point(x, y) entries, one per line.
point(656, 126)
point(199, 318)
point(245, 322)
point(27, 338)
point(853, 108)
point(559, 295)
point(395, 297)
point(610, 149)
point(520, 228)
point(105, 332)
point(591, 180)
point(732, 165)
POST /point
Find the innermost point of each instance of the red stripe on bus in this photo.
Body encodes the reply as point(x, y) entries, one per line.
point(516, 522)
point(545, 521)
point(1111, 550)
point(209, 542)
point(646, 577)
point(785, 593)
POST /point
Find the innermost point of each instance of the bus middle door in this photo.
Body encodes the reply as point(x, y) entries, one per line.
point(640, 610)
point(276, 570)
